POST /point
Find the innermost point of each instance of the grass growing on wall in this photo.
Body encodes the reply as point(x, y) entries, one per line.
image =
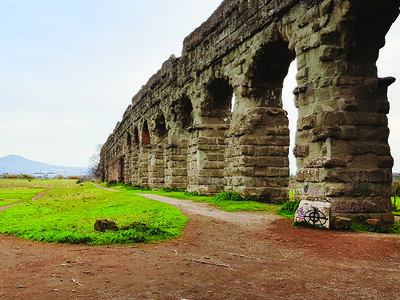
point(68, 212)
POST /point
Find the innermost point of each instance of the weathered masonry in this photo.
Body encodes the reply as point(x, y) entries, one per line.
point(182, 131)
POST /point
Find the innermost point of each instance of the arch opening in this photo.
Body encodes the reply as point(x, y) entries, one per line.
point(129, 141)
point(221, 94)
point(258, 140)
point(145, 134)
point(183, 110)
point(136, 136)
point(160, 127)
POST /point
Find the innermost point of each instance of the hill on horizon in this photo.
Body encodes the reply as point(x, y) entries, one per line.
point(15, 164)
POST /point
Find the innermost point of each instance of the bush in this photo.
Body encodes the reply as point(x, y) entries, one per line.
point(192, 194)
point(289, 208)
point(228, 196)
point(170, 189)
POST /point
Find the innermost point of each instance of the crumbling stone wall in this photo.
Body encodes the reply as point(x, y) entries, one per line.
point(182, 131)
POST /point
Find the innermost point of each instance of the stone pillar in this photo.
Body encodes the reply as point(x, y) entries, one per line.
point(342, 150)
point(207, 142)
point(156, 168)
point(134, 166)
point(143, 165)
point(206, 163)
point(176, 165)
point(258, 145)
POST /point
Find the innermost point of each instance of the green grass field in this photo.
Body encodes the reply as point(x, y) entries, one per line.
point(20, 190)
point(67, 213)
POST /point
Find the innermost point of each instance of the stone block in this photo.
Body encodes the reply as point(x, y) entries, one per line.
point(374, 222)
point(273, 161)
point(341, 223)
point(301, 151)
point(315, 213)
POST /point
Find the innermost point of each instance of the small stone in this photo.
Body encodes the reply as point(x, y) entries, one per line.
point(20, 286)
point(374, 222)
point(342, 223)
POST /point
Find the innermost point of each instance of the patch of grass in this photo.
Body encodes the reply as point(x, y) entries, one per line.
point(292, 194)
point(125, 186)
point(289, 209)
point(169, 190)
point(68, 212)
point(396, 211)
point(15, 195)
point(376, 229)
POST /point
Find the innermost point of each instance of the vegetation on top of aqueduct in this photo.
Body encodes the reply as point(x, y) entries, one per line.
point(67, 213)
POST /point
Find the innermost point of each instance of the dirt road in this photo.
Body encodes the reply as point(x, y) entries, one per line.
point(220, 256)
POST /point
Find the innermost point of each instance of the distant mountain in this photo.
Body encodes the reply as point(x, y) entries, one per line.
point(15, 164)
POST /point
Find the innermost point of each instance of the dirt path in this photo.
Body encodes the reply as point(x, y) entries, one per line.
point(220, 256)
point(104, 188)
point(37, 197)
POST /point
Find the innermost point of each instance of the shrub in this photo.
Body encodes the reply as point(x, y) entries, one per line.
point(228, 196)
point(289, 208)
point(76, 177)
point(192, 194)
point(26, 176)
point(170, 189)
point(10, 176)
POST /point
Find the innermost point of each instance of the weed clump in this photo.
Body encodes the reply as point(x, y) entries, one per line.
point(192, 194)
point(127, 186)
point(289, 208)
point(170, 189)
point(232, 196)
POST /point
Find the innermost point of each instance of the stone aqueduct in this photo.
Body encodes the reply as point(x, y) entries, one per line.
point(181, 131)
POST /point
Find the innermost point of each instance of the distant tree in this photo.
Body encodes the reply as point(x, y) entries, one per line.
point(94, 163)
point(395, 192)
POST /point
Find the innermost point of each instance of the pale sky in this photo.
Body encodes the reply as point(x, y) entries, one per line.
point(69, 69)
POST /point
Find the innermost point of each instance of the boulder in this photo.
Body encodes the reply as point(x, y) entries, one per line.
point(315, 213)
point(105, 225)
point(342, 223)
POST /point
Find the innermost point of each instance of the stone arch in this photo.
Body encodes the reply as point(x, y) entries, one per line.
point(129, 141)
point(183, 112)
point(146, 140)
point(160, 126)
point(121, 167)
point(156, 156)
point(342, 109)
point(176, 153)
point(136, 136)
point(220, 95)
point(207, 145)
point(143, 155)
point(132, 175)
point(258, 139)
